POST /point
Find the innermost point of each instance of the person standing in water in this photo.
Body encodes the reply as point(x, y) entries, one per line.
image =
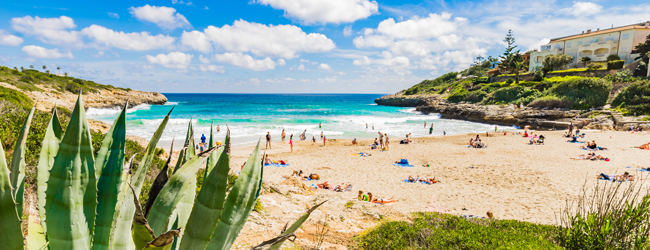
point(366, 125)
point(495, 128)
point(283, 135)
point(373, 127)
point(321, 134)
point(319, 125)
point(431, 129)
point(425, 124)
point(218, 129)
point(268, 139)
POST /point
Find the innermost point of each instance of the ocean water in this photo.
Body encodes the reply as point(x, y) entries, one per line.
point(251, 116)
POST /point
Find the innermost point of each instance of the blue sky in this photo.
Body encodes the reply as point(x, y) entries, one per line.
point(283, 46)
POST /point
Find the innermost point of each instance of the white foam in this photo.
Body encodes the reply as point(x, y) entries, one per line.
point(101, 112)
point(171, 103)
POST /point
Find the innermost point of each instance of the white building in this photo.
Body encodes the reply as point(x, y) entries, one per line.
point(596, 45)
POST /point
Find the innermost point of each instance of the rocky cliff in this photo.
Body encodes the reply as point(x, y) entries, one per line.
point(102, 99)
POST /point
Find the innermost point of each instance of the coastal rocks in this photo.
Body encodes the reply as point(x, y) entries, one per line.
point(400, 100)
point(114, 98)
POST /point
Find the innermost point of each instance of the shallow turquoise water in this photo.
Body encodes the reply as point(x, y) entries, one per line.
point(250, 116)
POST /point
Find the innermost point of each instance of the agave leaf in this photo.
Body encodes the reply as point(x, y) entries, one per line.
point(10, 231)
point(18, 164)
point(71, 196)
point(173, 191)
point(189, 143)
point(109, 170)
point(159, 182)
point(292, 229)
point(212, 160)
point(49, 147)
point(239, 203)
point(278, 239)
point(183, 210)
point(209, 203)
point(35, 235)
point(122, 231)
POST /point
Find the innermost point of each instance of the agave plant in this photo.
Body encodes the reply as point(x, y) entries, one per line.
point(92, 203)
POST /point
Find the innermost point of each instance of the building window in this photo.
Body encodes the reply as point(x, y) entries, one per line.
point(579, 42)
point(568, 45)
point(626, 36)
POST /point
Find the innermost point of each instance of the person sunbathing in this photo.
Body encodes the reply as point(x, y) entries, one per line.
point(296, 174)
point(471, 142)
point(379, 200)
point(360, 196)
point(354, 142)
point(429, 180)
point(574, 139)
point(341, 187)
point(411, 179)
point(625, 177)
point(480, 144)
point(268, 161)
point(325, 185)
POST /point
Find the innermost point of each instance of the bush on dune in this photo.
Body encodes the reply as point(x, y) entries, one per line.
point(444, 231)
point(511, 94)
point(550, 102)
point(635, 98)
point(583, 92)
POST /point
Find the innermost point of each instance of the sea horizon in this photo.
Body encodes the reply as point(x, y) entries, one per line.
point(251, 116)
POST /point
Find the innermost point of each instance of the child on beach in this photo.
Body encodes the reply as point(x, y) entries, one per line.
point(324, 140)
point(283, 134)
point(291, 142)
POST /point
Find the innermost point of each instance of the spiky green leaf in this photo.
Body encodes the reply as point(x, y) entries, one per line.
point(11, 235)
point(209, 203)
point(49, 148)
point(71, 196)
point(171, 194)
point(239, 203)
point(122, 231)
point(297, 224)
point(109, 170)
point(18, 163)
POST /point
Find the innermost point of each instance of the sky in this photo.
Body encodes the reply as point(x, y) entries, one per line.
point(284, 46)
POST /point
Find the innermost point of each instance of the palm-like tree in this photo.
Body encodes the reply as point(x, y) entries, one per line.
point(518, 66)
point(31, 66)
point(47, 71)
point(59, 69)
point(44, 67)
point(22, 69)
point(65, 74)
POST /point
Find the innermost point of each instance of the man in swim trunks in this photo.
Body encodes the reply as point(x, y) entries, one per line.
point(268, 139)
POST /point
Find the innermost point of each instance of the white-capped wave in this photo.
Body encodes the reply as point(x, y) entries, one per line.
point(114, 111)
point(171, 103)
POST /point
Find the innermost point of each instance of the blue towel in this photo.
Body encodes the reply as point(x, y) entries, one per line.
point(276, 165)
point(611, 178)
point(403, 165)
point(644, 170)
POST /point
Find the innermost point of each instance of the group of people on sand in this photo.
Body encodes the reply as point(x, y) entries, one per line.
point(592, 146)
point(299, 174)
point(591, 156)
point(369, 198)
point(536, 140)
point(268, 161)
point(425, 180)
point(477, 143)
point(383, 145)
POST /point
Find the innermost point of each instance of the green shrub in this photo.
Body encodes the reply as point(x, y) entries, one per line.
point(635, 98)
point(444, 231)
point(26, 78)
point(539, 76)
point(550, 102)
point(623, 76)
point(596, 66)
point(16, 98)
point(641, 70)
point(475, 96)
point(458, 96)
point(428, 85)
point(510, 95)
point(583, 93)
point(542, 86)
point(556, 61)
point(613, 58)
point(617, 64)
point(510, 81)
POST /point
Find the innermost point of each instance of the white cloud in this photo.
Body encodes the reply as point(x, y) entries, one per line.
point(49, 30)
point(204, 59)
point(196, 40)
point(387, 59)
point(9, 39)
point(164, 17)
point(324, 11)
point(347, 31)
point(175, 60)
point(212, 68)
point(114, 15)
point(584, 9)
point(245, 61)
point(324, 66)
point(181, 2)
point(40, 52)
point(301, 67)
point(127, 41)
point(283, 41)
point(281, 62)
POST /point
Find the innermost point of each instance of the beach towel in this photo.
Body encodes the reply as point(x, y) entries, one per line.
point(609, 177)
point(403, 165)
point(644, 170)
point(416, 181)
point(276, 165)
point(473, 217)
point(594, 149)
point(347, 189)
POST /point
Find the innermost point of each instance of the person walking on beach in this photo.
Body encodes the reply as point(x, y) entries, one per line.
point(291, 142)
point(313, 139)
point(283, 135)
point(386, 141)
point(268, 139)
point(321, 134)
point(444, 132)
point(381, 140)
point(303, 136)
point(202, 138)
point(324, 140)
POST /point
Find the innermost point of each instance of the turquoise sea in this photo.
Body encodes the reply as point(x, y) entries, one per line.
point(251, 116)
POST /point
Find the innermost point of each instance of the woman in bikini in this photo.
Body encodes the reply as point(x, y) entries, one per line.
point(283, 135)
point(379, 200)
point(291, 142)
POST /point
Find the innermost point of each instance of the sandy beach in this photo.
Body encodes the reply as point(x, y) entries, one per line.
point(509, 178)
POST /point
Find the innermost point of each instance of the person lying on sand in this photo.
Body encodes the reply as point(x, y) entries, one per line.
point(341, 187)
point(624, 177)
point(471, 142)
point(480, 144)
point(590, 145)
point(411, 179)
point(325, 185)
point(379, 200)
point(296, 174)
point(591, 156)
point(429, 180)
